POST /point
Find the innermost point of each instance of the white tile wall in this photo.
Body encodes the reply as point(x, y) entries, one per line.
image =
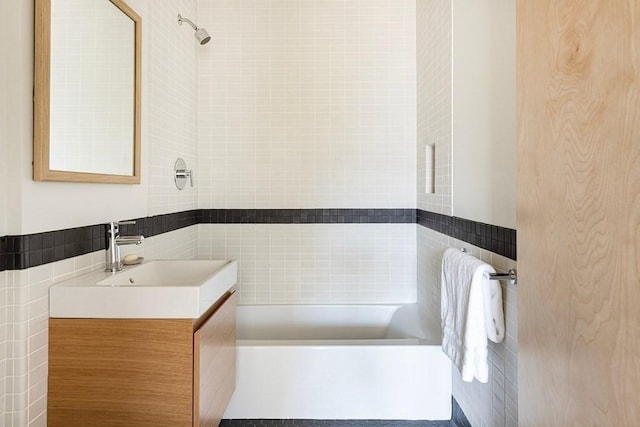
point(16, 397)
point(4, 343)
point(172, 96)
point(494, 404)
point(173, 245)
point(433, 32)
point(307, 104)
point(27, 312)
point(317, 263)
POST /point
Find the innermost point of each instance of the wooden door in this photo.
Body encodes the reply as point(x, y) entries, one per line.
point(578, 78)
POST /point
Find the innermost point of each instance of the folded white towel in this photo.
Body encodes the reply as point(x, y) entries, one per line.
point(471, 312)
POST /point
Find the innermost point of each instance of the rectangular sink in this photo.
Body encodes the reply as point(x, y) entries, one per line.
point(160, 289)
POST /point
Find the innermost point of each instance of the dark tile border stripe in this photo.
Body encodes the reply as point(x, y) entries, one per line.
point(499, 240)
point(31, 250)
point(308, 216)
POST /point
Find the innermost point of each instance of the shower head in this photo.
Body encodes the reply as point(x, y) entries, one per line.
point(201, 34)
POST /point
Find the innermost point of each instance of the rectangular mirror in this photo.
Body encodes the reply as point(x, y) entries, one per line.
point(87, 91)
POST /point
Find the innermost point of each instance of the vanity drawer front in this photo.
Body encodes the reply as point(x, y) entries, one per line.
point(120, 372)
point(215, 364)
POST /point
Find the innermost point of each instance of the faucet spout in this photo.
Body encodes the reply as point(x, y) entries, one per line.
point(114, 241)
point(129, 240)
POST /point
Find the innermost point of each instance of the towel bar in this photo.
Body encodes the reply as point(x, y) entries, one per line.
point(509, 275)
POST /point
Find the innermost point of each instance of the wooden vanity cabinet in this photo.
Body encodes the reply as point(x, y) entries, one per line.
point(142, 372)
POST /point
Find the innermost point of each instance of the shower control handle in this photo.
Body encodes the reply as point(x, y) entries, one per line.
point(184, 174)
point(181, 173)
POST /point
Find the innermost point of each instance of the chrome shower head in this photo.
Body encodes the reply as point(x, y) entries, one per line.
point(201, 34)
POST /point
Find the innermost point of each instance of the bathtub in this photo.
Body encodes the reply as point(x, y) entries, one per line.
point(339, 362)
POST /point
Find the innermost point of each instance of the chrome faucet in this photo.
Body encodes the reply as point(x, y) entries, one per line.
point(114, 241)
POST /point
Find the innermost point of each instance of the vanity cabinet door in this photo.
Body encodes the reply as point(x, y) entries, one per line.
point(120, 372)
point(214, 365)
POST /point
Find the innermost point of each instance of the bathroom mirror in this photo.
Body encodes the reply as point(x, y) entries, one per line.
point(87, 91)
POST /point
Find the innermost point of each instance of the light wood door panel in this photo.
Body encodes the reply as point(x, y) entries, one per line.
point(215, 364)
point(578, 86)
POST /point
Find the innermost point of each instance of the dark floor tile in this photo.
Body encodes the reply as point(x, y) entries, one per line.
point(333, 423)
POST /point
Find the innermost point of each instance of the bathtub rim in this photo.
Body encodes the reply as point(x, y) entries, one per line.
point(382, 342)
point(406, 322)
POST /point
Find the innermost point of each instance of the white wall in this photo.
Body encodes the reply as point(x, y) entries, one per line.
point(433, 42)
point(317, 263)
point(484, 160)
point(15, 65)
point(4, 288)
point(172, 96)
point(310, 104)
point(4, 117)
point(307, 104)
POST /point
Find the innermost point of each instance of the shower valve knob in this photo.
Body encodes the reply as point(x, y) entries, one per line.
point(181, 173)
point(184, 174)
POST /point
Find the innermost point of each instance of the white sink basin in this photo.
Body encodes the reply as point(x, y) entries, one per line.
point(163, 289)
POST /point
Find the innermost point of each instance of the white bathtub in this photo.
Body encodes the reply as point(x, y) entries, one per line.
point(339, 362)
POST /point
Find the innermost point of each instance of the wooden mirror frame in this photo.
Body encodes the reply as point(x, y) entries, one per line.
point(42, 98)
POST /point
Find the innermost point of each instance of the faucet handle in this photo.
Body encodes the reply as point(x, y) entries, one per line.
point(116, 223)
point(119, 223)
point(113, 227)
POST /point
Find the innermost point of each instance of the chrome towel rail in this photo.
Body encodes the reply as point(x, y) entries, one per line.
point(509, 275)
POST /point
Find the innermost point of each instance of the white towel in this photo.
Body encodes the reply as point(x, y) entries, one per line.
point(471, 312)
